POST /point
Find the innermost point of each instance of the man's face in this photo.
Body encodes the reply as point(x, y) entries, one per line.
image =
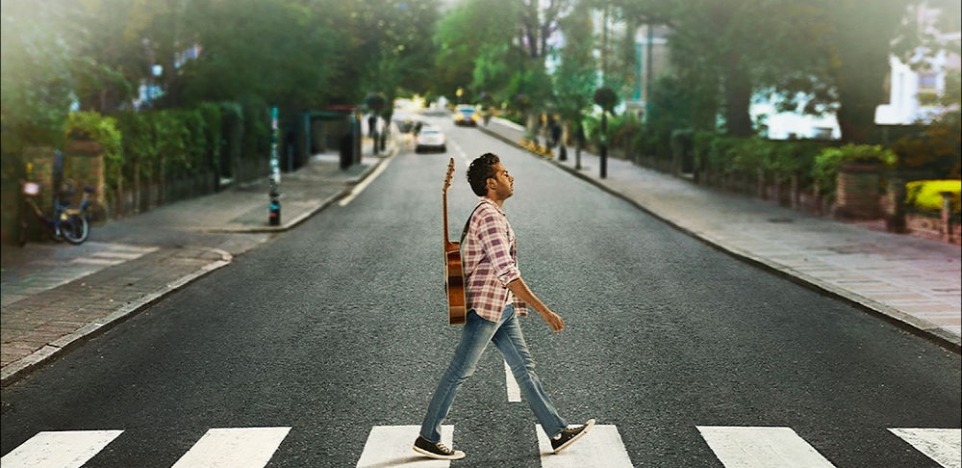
point(503, 182)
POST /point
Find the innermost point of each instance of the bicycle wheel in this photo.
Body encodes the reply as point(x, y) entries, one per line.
point(75, 229)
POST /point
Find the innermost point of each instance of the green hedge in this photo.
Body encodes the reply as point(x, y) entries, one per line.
point(165, 144)
point(104, 130)
point(813, 162)
point(830, 160)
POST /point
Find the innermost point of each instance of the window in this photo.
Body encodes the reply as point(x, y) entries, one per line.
point(927, 82)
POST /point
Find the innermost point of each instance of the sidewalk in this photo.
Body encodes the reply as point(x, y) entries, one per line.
point(55, 297)
point(917, 283)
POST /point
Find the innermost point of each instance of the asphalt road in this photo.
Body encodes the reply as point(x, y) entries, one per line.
point(338, 327)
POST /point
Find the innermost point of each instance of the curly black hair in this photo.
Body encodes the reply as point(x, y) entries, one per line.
point(480, 170)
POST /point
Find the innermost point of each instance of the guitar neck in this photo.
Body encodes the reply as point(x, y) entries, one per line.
point(448, 245)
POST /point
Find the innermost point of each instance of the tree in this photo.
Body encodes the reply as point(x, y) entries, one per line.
point(274, 50)
point(36, 73)
point(394, 37)
point(112, 52)
point(858, 45)
point(473, 41)
point(575, 78)
point(833, 55)
point(729, 51)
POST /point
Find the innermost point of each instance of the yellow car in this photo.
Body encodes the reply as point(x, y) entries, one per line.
point(466, 115)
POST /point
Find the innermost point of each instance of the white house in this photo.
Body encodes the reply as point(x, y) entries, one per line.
point(906, 85)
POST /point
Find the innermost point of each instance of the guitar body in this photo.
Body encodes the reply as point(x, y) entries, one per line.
point(453, 269)
point(454, 287)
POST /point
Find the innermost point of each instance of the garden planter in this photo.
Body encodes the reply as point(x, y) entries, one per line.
point(857, 191)
point(85, 167)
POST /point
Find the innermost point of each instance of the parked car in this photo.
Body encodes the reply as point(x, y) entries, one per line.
point(466, 115)
point(430, 139)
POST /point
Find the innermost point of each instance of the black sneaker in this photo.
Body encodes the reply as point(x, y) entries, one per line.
point(436, 450)
point(570, 435)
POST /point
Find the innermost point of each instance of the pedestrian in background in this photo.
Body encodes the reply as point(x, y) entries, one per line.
point(496, 296)
point(555, 132)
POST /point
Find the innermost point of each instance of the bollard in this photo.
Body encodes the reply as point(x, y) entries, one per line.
point(274, 208)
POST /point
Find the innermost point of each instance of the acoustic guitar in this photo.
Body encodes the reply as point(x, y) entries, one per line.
point(453, 270)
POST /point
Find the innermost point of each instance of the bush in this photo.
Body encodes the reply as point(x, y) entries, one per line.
point(721, 154)
point(830, 160)
point(926, 195)
point(92, 126)
point(796, 158)
point(178, 141)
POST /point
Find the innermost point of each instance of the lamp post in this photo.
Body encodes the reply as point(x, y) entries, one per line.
point(606, 98)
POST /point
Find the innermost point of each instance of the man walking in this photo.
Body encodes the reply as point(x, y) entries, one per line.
point(496, 295)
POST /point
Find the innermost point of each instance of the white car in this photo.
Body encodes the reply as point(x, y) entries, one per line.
point(430, 139)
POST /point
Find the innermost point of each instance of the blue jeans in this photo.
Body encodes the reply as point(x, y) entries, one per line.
point(507, 337)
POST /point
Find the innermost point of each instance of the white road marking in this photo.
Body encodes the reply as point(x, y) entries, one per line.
point(600, 447)
point(66, 449)
point(514, 392)
point(98, 261)
point(250, 447)
point(114, 254)
point(460, 152)
point(761, 447)
point(363, 185)
point(942, 445)
point(389, 446)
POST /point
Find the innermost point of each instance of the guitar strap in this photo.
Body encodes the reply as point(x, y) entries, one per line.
point(464, 232)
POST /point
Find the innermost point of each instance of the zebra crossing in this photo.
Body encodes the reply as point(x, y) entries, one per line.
point(389, 446)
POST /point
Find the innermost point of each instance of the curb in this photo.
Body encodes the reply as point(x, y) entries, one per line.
point(18, 369)
point(325, 204)
point(904, 321)
point(21, 367)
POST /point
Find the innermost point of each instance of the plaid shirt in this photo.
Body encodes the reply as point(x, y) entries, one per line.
point(490, 256)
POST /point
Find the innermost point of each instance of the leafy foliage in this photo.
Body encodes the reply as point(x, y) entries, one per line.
point(36, 77)
point(926, 195)
point(830, 161)
point(95, 127)
point(575, 78)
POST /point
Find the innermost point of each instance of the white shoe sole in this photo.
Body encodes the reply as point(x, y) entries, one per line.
point(457, 455)
point(588, 426)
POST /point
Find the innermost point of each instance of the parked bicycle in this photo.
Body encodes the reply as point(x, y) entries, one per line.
point(65, 223)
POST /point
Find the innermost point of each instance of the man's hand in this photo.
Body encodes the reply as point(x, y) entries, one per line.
point(554, 321)
point(521, 291)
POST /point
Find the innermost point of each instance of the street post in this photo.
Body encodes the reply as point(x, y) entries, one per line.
point(274, 208)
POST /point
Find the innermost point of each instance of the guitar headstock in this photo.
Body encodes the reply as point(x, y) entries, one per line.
point(447, 178)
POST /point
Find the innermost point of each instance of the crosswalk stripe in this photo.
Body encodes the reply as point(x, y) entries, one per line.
point(942, 445)
point(761, 447)
point(514, 392)
point(61, 449)
point(250, 447)
point(391, 446)
point(600, 447)
point(97, 261)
